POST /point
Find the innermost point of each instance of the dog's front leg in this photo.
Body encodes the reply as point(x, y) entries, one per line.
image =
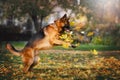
point(60, 42)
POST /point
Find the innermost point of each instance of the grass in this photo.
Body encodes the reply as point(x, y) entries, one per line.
point(88, 47)
point(62, 66)
point(97, 47)
point(82, 47)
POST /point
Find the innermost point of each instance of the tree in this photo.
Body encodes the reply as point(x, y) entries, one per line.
point(36, 9)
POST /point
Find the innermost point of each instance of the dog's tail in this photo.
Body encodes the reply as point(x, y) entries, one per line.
point(13, 50)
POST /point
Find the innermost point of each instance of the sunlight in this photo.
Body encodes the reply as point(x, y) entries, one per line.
point(78, 2)
point(108, 9)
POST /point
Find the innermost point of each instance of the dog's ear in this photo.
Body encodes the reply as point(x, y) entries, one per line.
point(64, 18)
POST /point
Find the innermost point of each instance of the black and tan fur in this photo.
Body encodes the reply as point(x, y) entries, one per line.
point(44, 39)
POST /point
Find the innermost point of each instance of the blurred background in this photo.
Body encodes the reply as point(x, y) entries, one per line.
point(92, 21)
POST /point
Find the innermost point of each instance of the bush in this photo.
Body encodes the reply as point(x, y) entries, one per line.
point(106, 40)
point(97, 40)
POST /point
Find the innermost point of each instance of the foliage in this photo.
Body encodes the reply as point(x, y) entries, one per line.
point(108, 40)
point(21, 7)
point(86, 16)
point(90, 34)
point(36, 9)
point(95, 52)
point(97, 40)
point(68, 38)
point(63, 66)
point(104, 23)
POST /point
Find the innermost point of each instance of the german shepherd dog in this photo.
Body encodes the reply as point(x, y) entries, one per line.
point(43, 39)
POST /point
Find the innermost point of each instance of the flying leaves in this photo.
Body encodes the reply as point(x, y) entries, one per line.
point(68, 38)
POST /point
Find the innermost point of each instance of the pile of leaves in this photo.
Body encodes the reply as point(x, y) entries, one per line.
point(62, 66)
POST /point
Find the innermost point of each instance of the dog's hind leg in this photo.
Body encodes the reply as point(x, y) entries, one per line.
point(35, 62)
point(27, 65)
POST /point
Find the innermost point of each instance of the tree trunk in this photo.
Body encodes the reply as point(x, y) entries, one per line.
point(35, 20)
point(41, 21)
point(38, 25)
point(0, 46)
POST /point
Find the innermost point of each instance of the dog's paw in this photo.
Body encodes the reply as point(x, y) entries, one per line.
point(73, 46)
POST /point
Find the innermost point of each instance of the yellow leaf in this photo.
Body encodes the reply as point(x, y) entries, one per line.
point(72, 23)
point(66, 45)
point(21, 66)
point(90, 34)
point(95, 52)
point(76, 59)
point(77, 66)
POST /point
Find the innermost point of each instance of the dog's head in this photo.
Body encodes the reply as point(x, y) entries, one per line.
point(63, 24)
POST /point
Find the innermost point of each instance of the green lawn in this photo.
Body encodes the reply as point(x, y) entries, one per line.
point(62, 66)
point(88, 47)
point(59, 65)
point(83, 47)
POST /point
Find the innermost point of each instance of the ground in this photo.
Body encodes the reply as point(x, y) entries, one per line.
point(64, 65)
